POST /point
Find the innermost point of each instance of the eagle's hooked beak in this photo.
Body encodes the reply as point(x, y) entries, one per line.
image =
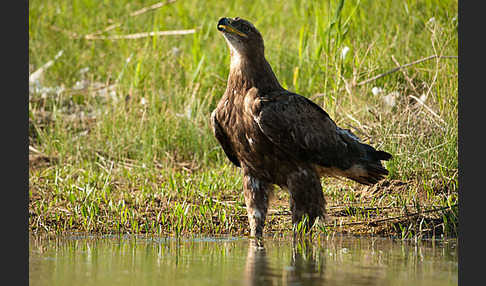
point(224, 25)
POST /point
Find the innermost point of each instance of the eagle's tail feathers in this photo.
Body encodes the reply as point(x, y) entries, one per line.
point(367, 174)
point(369, 170)
point(382, 155)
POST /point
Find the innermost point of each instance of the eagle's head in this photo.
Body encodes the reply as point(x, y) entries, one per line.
point(242, 37)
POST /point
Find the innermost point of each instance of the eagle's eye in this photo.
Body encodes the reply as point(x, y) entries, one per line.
point(245, 28)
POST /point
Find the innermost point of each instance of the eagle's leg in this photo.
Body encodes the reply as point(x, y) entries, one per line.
point(257, 194)
point(306, 197)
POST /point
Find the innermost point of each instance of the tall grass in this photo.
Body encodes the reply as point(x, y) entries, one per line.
point(152, 125)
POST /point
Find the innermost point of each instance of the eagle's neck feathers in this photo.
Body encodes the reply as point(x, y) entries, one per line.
point(250, 71)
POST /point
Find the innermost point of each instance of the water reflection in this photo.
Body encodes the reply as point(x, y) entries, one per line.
point(306, 265)
point(257, 269)
point(129, 260)
point(351, 261)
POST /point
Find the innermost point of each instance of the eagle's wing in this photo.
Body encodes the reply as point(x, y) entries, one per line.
point(303, 130)
point(223, 140)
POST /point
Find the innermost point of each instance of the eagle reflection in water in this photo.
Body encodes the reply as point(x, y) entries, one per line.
point(306, 266)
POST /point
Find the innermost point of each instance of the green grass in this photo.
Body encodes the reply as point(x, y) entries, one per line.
point(143, 159)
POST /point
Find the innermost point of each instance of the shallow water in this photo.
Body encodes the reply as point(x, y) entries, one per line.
point(338, 260)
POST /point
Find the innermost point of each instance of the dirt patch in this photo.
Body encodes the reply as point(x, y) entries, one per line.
point(37, 161)
point(384, 187)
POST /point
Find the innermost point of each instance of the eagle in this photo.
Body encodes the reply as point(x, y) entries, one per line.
point(278, 137)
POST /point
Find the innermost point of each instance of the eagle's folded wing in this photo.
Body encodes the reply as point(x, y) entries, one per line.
point(304, 131)
point(223, 140)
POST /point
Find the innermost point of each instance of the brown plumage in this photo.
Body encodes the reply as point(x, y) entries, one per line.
point(279, 137)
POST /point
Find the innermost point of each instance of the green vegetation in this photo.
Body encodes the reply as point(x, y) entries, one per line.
point(119, 128)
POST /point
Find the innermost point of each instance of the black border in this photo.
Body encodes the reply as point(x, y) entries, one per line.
point(471, 143)
point(14, 138)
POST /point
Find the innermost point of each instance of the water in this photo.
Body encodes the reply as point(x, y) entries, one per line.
point(338, 260)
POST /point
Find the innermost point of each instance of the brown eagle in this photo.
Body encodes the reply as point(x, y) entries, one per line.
point(278, 137)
